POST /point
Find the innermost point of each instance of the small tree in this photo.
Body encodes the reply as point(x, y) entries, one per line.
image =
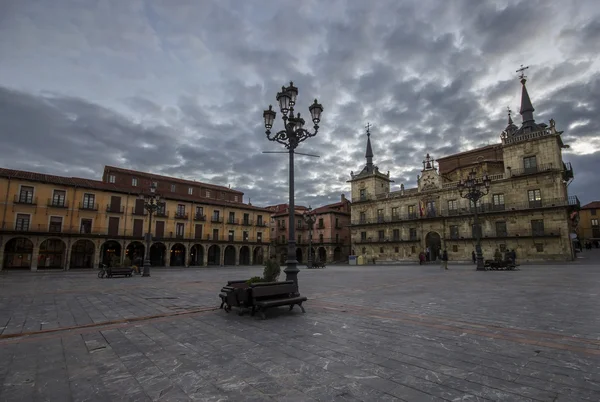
point(271, 271)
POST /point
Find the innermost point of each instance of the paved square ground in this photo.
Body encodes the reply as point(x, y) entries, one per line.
point(378, 333)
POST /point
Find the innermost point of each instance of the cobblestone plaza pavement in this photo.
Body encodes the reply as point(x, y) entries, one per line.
point(378, 333)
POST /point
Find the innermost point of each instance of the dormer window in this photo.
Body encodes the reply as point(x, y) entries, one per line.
point(134, 182)
point(190, 190)
point(112, 178)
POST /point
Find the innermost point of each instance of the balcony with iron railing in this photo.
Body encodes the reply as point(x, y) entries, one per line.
point(25, 199)
point(200, 217)
point(181, 215)
point(552, 231)
point(135, 211)
point(568, 171)
point(233, 221)
point(261, 224)
point(88, 206)
point(247, 222)
point(385, 239)
point(57, 203)
point(545, 167)
point(161, 213)
point(216, 219)
point(114, 209)
point(485, 208)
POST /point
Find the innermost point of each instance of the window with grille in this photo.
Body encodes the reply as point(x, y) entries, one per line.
point(530, 164)
point(395, 214)
point(501, 229)
point(22, 222)
point(412, 211)
point(413, 233)
point(86, 226)
point(180, 229)
point(245, 236)
point(88, 201)
point(363, 217)
point(55, 224)
point(26, 195)
point(452, 205)
point(498, 201)
point(231, 235)
point(537, 227)
point(454, 231)
point(180, 209)
point(58, 198)
point(535, 198)
point(380, 215)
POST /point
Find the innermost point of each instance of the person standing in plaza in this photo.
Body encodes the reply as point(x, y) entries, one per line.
point(445, 259)
point(474, 257)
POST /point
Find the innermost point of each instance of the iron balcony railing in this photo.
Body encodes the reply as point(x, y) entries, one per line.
point(247, 222)
point(200, 217)
point(161, 213)
point(57, 203)
point(392, 239)
point(25, 198)
point(181, 215)
point(544, 167)
point(112, 232)
point(88, 206)
point(115, 210)
point(233, 221)
point(509, 233)
point(486, 208)
point(135, 211)
point(216, 219)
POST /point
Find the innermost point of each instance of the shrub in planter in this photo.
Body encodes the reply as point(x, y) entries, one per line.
point(271, 271)
point(254, 279)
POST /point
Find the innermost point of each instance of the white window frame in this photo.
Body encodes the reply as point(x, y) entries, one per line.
point(207, 193)
point(62, 222)
point(32, 193)
point(91, 226)
point(83, 200)
point(59, 189)
point(190, 190)
point(112, 178)
point(134, 181)
point(17, 216)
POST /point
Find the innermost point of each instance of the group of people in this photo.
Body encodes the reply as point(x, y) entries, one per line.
point(509, 255)
point(425, 256)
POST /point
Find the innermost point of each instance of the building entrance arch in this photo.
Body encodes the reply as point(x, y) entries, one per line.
point(322, 254)
point(433, 243)
point(18, 253)
point(197, 255)
point(82, 254)
point(157, 254)
point(244, 255)
point(111, 253)
point(52, 253)
point(229, 257)
point(258, 256)
point(177, 255)
point(214, 255)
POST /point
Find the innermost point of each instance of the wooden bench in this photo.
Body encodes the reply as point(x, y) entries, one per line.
point(119, 271)
point(232, 298)
point(265, 295)
point(316, 264)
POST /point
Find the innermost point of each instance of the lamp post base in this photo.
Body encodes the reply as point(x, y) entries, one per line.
point(146, 268)
point(291, 271)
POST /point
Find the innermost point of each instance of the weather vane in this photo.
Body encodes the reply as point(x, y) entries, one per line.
point(368, 126)
point(522, 71)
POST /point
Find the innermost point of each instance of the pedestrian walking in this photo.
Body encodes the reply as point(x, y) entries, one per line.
point(445, 259)
point(473, 257)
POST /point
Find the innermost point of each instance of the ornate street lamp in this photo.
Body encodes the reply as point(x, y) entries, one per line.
point(473, 189)
point(310, 221)
point(151, 205)
point(291, 136)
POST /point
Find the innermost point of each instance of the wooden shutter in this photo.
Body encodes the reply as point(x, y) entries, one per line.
point(160, 229)
point(139, 206)
point(138, 227)
point(198, 232)
point(113, 226)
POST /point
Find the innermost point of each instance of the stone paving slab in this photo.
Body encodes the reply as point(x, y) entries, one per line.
point(376, 333)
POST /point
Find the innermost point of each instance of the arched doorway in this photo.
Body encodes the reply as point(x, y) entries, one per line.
point(337, 254)
point(135, 250)
point(177, 255)
point(433, 242)
point(52, 254)
point(196, 255)
point(229, 257)
point(322, 254)
point(244, 255)
point(313, 254)
point(82, 254)
point(111, 252)
point(214, 255)
point(158, 253)
point(258, 256)
point(299, 255)
point(18, 253)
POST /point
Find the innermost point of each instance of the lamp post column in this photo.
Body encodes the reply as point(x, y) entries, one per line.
point(291, 271)
point(148, 244)
point(478, 252)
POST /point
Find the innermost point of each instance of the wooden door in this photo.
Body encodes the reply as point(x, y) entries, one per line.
point(138, 227)
point(198, 232)
point(160, 229)
point(115, 204)
point(113, 226)
point(139, 206)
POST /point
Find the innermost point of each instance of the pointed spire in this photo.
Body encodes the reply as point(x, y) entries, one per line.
point(510, 120)
point(526, 106)
point(369, 154)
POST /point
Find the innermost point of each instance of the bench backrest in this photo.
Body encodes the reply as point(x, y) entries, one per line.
point(282, 290)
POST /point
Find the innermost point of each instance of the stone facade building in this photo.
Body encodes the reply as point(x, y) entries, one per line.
point(330, 234)
point(527, 209)
point(68, 222)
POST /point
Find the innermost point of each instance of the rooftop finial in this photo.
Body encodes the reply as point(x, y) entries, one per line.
point(369, 153)
point(510, 121)
point(522, 75)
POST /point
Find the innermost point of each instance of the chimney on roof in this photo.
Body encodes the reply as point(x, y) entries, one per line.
point(343, 197)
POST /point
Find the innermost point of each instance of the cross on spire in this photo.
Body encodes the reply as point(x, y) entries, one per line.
point(368, 126)
point(522, 72)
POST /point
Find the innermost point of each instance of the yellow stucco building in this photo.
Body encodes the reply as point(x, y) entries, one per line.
point(67, 222)
point(588, 228)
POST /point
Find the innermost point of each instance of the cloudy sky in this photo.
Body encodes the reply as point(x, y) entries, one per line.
point(178, 87)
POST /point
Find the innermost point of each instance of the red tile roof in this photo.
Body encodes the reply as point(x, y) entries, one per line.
point(592, 205)
point(102, 186)
point(168, 178)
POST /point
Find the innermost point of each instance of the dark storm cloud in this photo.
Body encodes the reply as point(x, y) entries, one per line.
point(180, 90)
